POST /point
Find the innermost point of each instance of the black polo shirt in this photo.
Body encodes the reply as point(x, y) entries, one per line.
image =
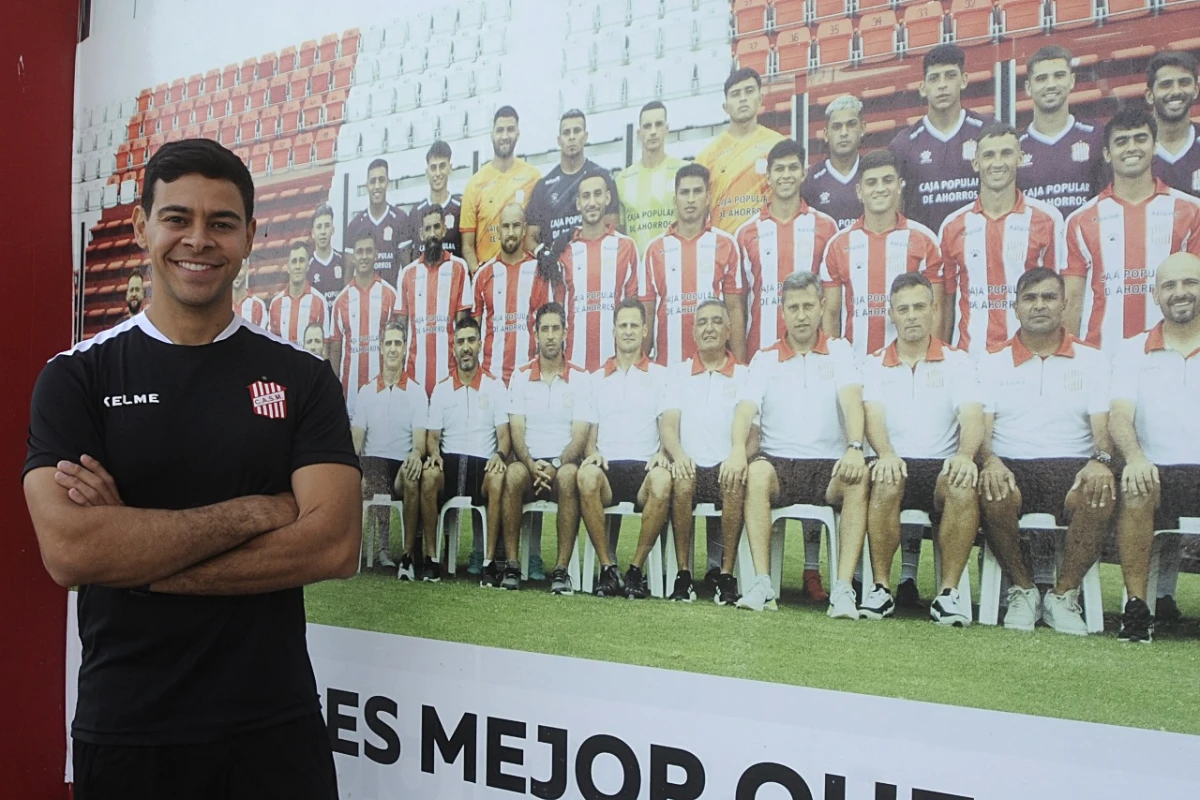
point(183, 427)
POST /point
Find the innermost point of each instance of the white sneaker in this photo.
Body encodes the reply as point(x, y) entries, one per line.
point(384, 560)
point(877, 604)
point(946, 609)
point(1062, 612)
point(406, 571)
point(760, 596)
point(841, 601)
point(1024, 608)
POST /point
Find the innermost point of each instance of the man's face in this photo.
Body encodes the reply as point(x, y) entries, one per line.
point(550, 332)
point(1040, 307)
point(437, 172)
point(466, 348)
point(1049, 84)
point(652, 130)
point(572, 137)
point(691, 200)
point(393, 349)
point(377, 185)
point(1172, 94)
point(943, 86)
point(197, 237)
point(802, 314)
point(314, 340)
point(297, 266)
point(879, 190)
point(504, 136)
point(743, 100)
point(710, 329)
point(996, 161)
point(364, 256)
point(512, 230)
point(592, 199)
point(1130, 152)
point(911, 310)
point(322, 231)
point(843, 132)
point(785, 176)
point(628, 331)
point(433, 226)
point(1177, 289)
point(135, 294)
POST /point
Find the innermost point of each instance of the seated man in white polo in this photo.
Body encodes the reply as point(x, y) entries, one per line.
point(468, 446)
point(548, 413)
point(702, 395)
point(389, 436)
point(807, 391)
point(925, 422)
point(1046, 449)
point(624, 462)
point(1155, 426)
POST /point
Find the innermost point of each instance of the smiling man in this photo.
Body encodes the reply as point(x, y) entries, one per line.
point(135, 294)
point(192, 512)
point(327, 266)
point(1171, 90)
point(299, 304)
point(438, 167)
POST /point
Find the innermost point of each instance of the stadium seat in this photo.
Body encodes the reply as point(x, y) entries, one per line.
point(268, 124)
point(258, 94)
point(364, 70)
point(124, 161)
point(311, 112)
point(343, 68)
point(350, 43)
point(460, 83)
point(277, 91)
point(923, 25)
point(710, 29)
point(835, 40)
point(127, 193)
point(1188, 526)
point(248, 73)
point(327, 52)
point(326, 145)
point(971, 20)
point(185, 114)
point(1072, 13)
point(145, 96)
point(432, 89)
point(219, 104)
point(710, 68)
point(175, 135)
point(470, 18)
point(137, 152)
point(1017, 17)
point(194, 86)
point(190, 132)
point(212, 80)
point(488, 80)
point(111, 195)
point(335, 106)
point(281, 155)
point(248, 127)
point(425, 129)
point(444, 21)
point(878, 34)
point(134, 129)
point(302, 150)
point(243, 153)
point(298, 83)
point(239, 99)
point(864, 7)
point(381, 101)
point(320, 78)
point(162, 119)
point(201, 110)
point(307, 54)
point(750, 16)
point(77, 164)
point(613, 516)
point(368, 548)
point(268, 64)
point(437, 56)
point(211, 130)
point(289, 118)
point(228, 131)
point(153, 143)
point(491, 47)
point(390, 63)
point(755, 52)
point(789, 13)
point(829, 9)
point(914, 517)
point(823, 514)
point(177, 89)
point(1127, 9)
point(457, 505)
point(161, 91)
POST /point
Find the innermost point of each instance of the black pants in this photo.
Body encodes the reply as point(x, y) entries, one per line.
point(292, 761)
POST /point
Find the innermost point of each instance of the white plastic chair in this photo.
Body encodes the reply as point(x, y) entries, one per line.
point(1188, 526)
point(670, 557)
point(824, 514)
point(915, 517)
point(370, 547)
point(654, 562)
point(542, 507)
point(457, 502)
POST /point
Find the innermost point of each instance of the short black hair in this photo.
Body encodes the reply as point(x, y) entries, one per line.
point(197, 157)
point(996, 127)
point(907, 280)
point(434, 208)
point(359, 233)
point(653, 105)
point(468, 322)
point(573, 113)
point(944, 55)
point(629, 302)
point(589, 173)
point(783, 149)
point(438, 149)
point(376, 164)
point(137, 273)
point(1130, 118)
point(1037, 275)
point(743, 74)
point(1051, 52)
point(549, 308)
point(1169, 58)
point(324, 210)
point(876, 159)
point(692, 170)
point(505, 111)
point(299, 244)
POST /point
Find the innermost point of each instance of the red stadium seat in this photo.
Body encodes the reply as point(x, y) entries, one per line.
point(864, 7)
point(287, 60)
point(258, 93)
point(793, 50)
point(308, 53)
point(298, 83)
point(195, 85)
point(302, 150)
point(923, 25)
point(137, 152)
point(1072, 13)
point(1016, 17)
point(212, 80)
point(750, 15)
point(260, 154)
point(134, 129)
point(310, 115)
point(268, 123)
point(335, 107)
point(153, 143)
point(176, 93)
point(202, 110)
point(754, 52)
point(190, 132)
point(268, 64)
point(826, 9)
point(1128, 9)
point(185, 114)
point(143, 100)
point(350, 41)
point(165, 118)
point(343, 69)
point(160, 94)
point(249, 127)
point(877, 34)
point(228, 131)
point(278, 91)
point(971, 20)
point(243, 153)
point(211, 130)
point(239, 99)
point(327, 53)
point(123, 156)
point(219, 107)
point(249, 72)
point(290, 118)
point(791, 12)
point(320, 78)
point(229, 76)
point(281, 155)
point(326, 144)
point(834, 40)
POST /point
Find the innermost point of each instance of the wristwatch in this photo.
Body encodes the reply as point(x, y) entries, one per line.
point(1103, 456)
point(855, 445)
point(556, 462)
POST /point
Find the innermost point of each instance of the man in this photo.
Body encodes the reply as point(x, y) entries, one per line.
point(245, 305)
point(924, 419)
point(1171, 91)
point(387, 224)
point(356, 321)
point(1061, 157)
point(327, 267)
point(389, 436)
point(503, 180)
point(862, 261)
point(548, 421)
point(830, 187)
point(988, 244)
point(702, 395)
point(646, 188)
point(1155, 428)
point(199, 560)
point(553, 209)
point(1046, 449)
point(437, 173)
point(736, 159)
point(624, 461)
point(434, 292)
point(469, 444)
point(691, 262)
point(314, 339)
point(935, 154)
point(807, 393)
point(135, 294)
point(299, 304)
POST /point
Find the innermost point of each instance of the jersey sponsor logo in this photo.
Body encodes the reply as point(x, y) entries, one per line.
point(268, 399)
point(824, 198)
point(115, 400)
point(337, 273)
point(1081, 152)
point(968, 150)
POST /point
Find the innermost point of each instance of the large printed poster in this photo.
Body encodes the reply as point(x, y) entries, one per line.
point(777, 249)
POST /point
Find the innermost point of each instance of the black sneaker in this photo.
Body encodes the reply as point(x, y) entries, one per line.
point(431, 572)
point(609, 584)
point(636, 587)
point(406, 572)
point(1137, 625)
point(512, 576)
point(490, 577)
point(1166, 611)
point(710, 578)
point(907, 595)
point(560, 582)
point(683, 592)
point(727, 591)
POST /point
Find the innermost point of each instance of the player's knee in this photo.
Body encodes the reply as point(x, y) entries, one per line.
point(997, 505)
point(589, 479)
point(430, 478)
point(733, 493)
point(885, 494)
point(516, 478)
point(567, 477)
point(960, 497)
point(683, 487)
point(658, 484)
point(1142, 503)
point(760, 474)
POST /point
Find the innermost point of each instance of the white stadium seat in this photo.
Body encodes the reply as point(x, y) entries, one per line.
point(488, 79)
point(490, 47)
point(382, 100)
point(608, 47)
point(77, 170)
point(645, 84)
point(373, 136)
point(425, 128)
point(470, 18)
point(712, 68)
point(128, 193)
point(406, 95)
point(453, 121)
point(112, 112)
point(445, 19)
point(372, 40)
point(642, 44)
point(364, 70)
point(412, 61)
point(676, 38)
point(111, 196)
point(433, 89)
point(93, 197)
point(437, 54)
point(459, 83)
point(577, 52)
point(396, 133)
point(710, 29)
point(604, 92)
point(396, 34)
point(356, 104)
point(106, 163)
point(389, 63)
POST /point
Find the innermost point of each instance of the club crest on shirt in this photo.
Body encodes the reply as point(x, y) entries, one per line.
point(1073, 380)
point(968, 150)
point(1081, 152)
point(730, 391)
point(926, 157)
point(935, 379)
point(387, 233)
point(825, 371)
point(268, 399)
point(449, 220)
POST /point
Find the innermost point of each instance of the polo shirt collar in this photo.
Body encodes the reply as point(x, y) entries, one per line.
point(935, 352)
point(577, 236)
point(1155, 341)
point(725, 369)
point(804, 209)
point(786, 352)
point(475, 383)
point(673, 230)
point(402, 384)
point(1160, 187)
point(610, 366)
point(860, 224)
point(1021, 353)
point(445, 258)
point(1018, 207)
point(535, 370)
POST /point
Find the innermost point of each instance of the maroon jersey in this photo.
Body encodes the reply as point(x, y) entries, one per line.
point(1066, 170)
point(936, 168)
point(327, 277)
point(393, 247)
point(1180, 172)
point(833, 193)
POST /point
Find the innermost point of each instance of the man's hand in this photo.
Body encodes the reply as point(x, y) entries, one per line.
point(596, 458)
point(997, 480)
point(960, 471)
point(412, 465)
point(88, 483)
point(889, 469)
point(433, 461)
point(851, 468)
point(733, 470)
point(495, 465)
point(658, 460)
point(683, 468)
point(1139, 477)
point(543, 476)
point(1097, 483)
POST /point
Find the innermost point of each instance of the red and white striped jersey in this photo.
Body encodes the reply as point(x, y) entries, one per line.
point(983, 258)
point(252, 310)
point(357, 322)
point(289, 316)
point(771, 250)
point(1116, 247)
point(506, 297)
point(431, 299)
point(863, 265)
point(598, 273)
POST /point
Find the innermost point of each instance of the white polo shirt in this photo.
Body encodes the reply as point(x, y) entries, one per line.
point(797, 397)
point(706, 400)
point(389, 414)
point(549, 408)
point(1043, 406)
point(921, 402)
point(468, 414)
point(625, 407)
point(1162, 384)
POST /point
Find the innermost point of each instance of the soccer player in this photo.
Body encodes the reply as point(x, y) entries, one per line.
point(862, 261)
point(299, 304)
point(701, 397)
point(356, 321)
point(988, 244)
point(1154, 426)
point(1170, 91)
point(387, 224)
point(691, 262)
point(736, 159)
point(135, 294)
point(437, 173)
point(434, 292)
point(924, 419)
point(389, 436)
point(1116, 240)
point(624, 462)
point(553, 211)
point(503, 180)
point(199, 560)
point(807, 394)
point(829, 188)
point(548, 421)
point(1062, 160)
point(646, 188)
point(935, 154)
point(246, 305)
point(327, 267)
point(314, 339)
point(468, 446)
point(1046, 449)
